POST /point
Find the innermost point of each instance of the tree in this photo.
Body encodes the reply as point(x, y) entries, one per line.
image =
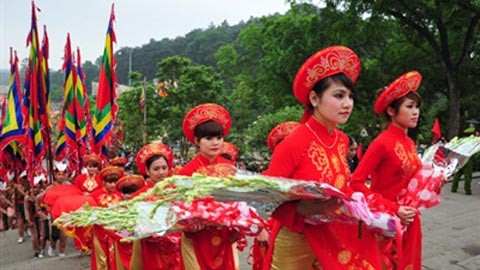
point(185, 86)
point(448, 27)
point(91, 74)
point(255, 140)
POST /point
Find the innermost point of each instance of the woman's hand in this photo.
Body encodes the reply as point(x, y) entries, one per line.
point(316, 207)
point(263, 238)
point(406, 214)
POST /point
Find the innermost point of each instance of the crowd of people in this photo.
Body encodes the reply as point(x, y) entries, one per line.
point(313, 149)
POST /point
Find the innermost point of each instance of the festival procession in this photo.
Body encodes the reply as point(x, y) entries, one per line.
point(169, 175)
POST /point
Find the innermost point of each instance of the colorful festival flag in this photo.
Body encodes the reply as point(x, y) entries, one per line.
point(13, 126)
point(85, 120)
point(34, 101)
point(106, 108)
point(70, 125)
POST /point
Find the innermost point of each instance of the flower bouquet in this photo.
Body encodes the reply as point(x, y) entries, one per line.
point(209, 201)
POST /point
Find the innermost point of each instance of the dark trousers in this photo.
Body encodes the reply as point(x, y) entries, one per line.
point(467, 171)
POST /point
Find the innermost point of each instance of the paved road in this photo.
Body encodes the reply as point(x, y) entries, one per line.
point(451, 239)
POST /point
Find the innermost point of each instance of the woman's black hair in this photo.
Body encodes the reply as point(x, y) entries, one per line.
point(352, 140)
point(226, 156)
point(154, 158)
point(210, 128)
point(129, 189)
point(323, 84)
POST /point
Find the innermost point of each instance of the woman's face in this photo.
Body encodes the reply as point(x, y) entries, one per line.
point(60, 176)
point(210, 147)
point(352, 150)
point(109, 185)
point(334, 106)
point(91, 169)
point(158, 170)
point(407, 115)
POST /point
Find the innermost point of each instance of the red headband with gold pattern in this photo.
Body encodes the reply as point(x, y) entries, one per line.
point(113, 171)
point(408, 82)
point(230, 149)
point(279, 133)
point(151, 150)
point(325, 63)
point(130, 180)
point(203, 113)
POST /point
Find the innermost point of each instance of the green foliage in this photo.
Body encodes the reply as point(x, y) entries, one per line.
point(255, 139)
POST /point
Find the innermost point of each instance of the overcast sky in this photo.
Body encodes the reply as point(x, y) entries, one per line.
point(137, 21)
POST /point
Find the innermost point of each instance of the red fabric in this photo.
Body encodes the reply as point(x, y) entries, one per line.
point(56, 191)
point(437, 132)
point(162, 253)
point(86, 184)
point(303, 156)
point(105, 198)
point(107, 245)
point(70, 203)
point(200, 161)
point(390, 162)
point(360, 151)
point(207, 254)
point(124, 249)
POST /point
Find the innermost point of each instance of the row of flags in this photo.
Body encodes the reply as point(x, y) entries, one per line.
point(25, 128)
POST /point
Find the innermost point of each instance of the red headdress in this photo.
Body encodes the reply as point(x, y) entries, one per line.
point(93, 158)
point(151, 150)
point(230, 149)
point(408, 82)
point(130, 180)
point(118, 161)
point(203, 113)
point(324, 63)
point(113, 171)
point(279, 133)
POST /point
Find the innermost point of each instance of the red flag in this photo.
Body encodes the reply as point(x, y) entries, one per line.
point(437, 133)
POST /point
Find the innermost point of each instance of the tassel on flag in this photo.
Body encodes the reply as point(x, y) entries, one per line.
point(106, 107)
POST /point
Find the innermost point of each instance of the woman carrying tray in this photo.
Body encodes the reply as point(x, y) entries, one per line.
point(316, 151)
point(154, 162)
point(390, 162)
point(211, 247)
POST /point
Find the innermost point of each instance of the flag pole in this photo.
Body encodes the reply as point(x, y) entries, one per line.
point(145, 111)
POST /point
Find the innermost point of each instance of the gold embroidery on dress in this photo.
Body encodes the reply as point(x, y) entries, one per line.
point(335, 163)
point(367, 265)
point(344, 256)
point(409, 159)
point(320, 160)
point(108, 200)
point(339, 181)
point(90, 184)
